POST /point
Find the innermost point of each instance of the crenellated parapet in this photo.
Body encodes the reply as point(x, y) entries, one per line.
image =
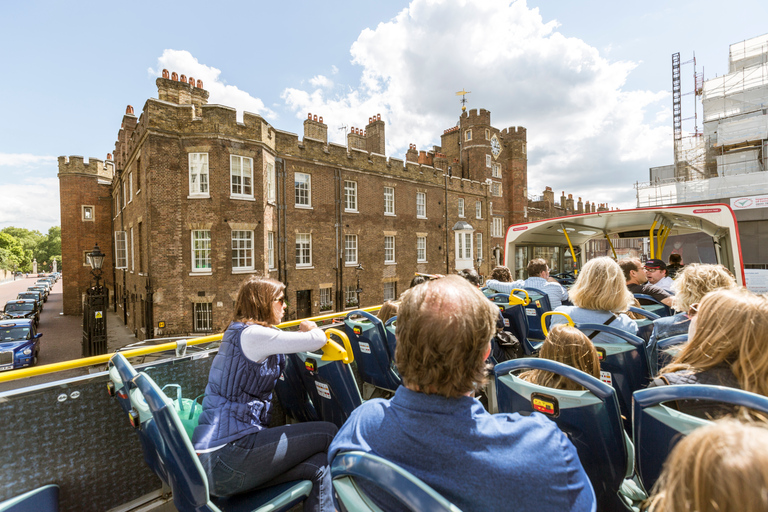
point(514, 133)
point(76, 165)
point(475, 117)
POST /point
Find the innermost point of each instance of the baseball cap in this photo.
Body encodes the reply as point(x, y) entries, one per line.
point(656, 264)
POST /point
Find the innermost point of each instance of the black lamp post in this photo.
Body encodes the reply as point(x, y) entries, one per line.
point(359, 290)
point(95, 309)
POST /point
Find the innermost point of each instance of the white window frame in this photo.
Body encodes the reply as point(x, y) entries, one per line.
point(390, 290)
point(461, 207)
point(468, 135)
point(242, 249)
point(496, 189)
point(421, 249)
point(496, 227)
point(389, 200)
point(326, 299)
point(464, 245)
point(303, 243)
point(350, 294)
point(121, 250)
point(133, 253)
point(478, 209)
point(389, 250)
point(245, 184)
point(478, 245)
point(496, 170)
point(490, 208)
point(130, 186)
point(421, 205)
point(350, 196)
point(201, 251)
point(125, 199)
point(199, 177)
point(202, 323)
point(300, 192)
point(271, 192)
point(271, 249)
point(350, 250)
point(488, 162)
point(487, 134)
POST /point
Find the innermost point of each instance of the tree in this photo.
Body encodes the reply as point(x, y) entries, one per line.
point(49, 247)
point(12, 251)
point(29, 241)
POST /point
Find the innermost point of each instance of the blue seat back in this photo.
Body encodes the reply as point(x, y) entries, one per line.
point(668, 348)
point(330, 385)
point(590, 418)
point(292, 394)
point(654, 306)
point(390, 326)
point(539, 305)
point(42, 499)
point(624, 364)
point(658, 428)
point(645, 324)
point(372, 353)
point(348, 468)
point(515, 321)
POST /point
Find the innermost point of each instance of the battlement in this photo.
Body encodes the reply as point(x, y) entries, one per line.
point(475, 116)
point(75, 164)
point(514, 132)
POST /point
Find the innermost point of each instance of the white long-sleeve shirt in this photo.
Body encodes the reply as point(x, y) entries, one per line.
point(259, 342)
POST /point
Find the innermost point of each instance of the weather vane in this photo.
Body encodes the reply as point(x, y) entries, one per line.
point(463, 95)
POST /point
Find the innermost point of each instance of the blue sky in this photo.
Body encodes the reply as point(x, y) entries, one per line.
point(590, 80)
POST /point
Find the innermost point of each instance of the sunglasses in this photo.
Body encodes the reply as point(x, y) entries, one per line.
point(692, 310)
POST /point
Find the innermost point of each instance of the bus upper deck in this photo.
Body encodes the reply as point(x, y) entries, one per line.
point(700, 233)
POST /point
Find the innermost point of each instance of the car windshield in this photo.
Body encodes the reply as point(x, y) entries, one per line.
point(23, 306)
point(27, 295)
point(14, 333)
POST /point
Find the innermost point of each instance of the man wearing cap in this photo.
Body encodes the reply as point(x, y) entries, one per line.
point(656, 270)
point(637, 282)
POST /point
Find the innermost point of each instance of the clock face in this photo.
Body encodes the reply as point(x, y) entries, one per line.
point(495, 146)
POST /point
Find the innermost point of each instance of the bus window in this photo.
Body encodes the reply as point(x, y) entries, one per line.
point(521, 263)
point(549, 254)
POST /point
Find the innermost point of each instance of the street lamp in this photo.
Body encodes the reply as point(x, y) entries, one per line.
point(95, 309)
point(359, 290)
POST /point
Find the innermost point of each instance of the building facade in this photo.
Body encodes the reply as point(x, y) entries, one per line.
point(198, 201)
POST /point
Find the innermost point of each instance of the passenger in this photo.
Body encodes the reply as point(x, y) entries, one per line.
point(236, 449)
point(727, 340)
point(695, 281)
point(417, 280)
point(437, 431)
point(501, 274)
point(538, 277)
point(600, 296)
point(675, 265)
point(637, 281)
point(721, 467)
point(388, 310)
point(472, 276)
point(656, 271)
point(567, 345)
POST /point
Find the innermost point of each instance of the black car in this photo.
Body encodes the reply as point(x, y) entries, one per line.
point(40, 288)
point(22, 308)
point(37, 296)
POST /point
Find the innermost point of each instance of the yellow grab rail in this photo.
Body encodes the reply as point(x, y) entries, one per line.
point(550, 313)
point(332, 351)
point(570, 245)
point(514, 300)
point(611, 244)
point(653, 228)
point(329, 316)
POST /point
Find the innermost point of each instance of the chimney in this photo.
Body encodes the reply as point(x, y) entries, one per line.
point(315, 129)
point(181, 92)
point(374, 135)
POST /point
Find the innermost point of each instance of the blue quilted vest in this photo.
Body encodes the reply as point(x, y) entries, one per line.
point(238, 397)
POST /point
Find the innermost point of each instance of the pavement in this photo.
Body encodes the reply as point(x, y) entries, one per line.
point(62, 334)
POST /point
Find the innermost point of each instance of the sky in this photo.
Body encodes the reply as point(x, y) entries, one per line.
point(590, 80)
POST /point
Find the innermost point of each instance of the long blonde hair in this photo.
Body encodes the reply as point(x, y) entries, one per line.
point(567, 345)
point(696, 280)
point(601, 286)
point(731, 328)
point(721, 467)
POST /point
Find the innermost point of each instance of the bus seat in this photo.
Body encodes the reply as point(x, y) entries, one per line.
point(291, 393)
point(348, 468)
point(668, 348)
point(654, 306)
point(645, 324)
point(42, 499)
point(515, 321)
point(623, 365)
point(183, 471)
point(368, 338)
point(657, 427)
point(591, 419)
point(390, 326)
point(330, 385)
point(539, 305)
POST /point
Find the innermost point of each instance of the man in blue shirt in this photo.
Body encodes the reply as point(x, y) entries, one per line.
point(434, 428)
point(538, 277)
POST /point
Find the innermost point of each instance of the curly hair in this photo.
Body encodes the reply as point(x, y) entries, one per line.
point(502, 274)
point(696, 280)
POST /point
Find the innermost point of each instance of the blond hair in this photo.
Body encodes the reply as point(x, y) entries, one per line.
point(696, 280)
point(444, 328)
point(388, 310)
point(731, 328)
point(567, 345)
point(721, 467)
point(255, 300)
point(601, 286)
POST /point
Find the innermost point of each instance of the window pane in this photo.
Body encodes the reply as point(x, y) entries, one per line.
point(389, 200)
point(242, 249)
point(302, 184)
point(350, 248)
point(201, 250)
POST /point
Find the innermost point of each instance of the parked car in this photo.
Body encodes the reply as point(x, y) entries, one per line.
point(37, 296)
point(22, 308)
point(41, 288)
point(19, 344)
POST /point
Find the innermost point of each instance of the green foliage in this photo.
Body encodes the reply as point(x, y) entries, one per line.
point(19, 246)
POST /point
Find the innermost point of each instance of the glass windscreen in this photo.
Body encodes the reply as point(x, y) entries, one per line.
point(23, 306)
point(14, 333)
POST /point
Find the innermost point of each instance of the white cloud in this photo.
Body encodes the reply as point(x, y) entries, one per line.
point(25, 160)
point(32, 204)
point(321, 81)
point(587, 135)
point(182, 62)
point(334, 70)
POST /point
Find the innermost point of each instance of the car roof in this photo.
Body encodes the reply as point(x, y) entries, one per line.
point(21, 321)
point(20, 301)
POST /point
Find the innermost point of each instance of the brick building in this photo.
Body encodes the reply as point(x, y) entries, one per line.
point(197, 201)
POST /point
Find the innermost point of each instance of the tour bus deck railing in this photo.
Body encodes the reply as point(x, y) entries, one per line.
point(142, 351)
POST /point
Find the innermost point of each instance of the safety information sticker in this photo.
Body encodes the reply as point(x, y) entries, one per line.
point(323, 390)
point(606, 377)
point(506, 322)
point(530, 312)
point(365, 348)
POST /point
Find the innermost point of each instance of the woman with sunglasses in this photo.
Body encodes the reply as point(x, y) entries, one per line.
point(728, 335)
point(235, 446)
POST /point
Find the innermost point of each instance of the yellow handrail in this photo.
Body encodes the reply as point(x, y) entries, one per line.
point(612, 248)
point(653, 227)
point(550, 313)
point(332, 351)
point(573, 253)
point(514, 300)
